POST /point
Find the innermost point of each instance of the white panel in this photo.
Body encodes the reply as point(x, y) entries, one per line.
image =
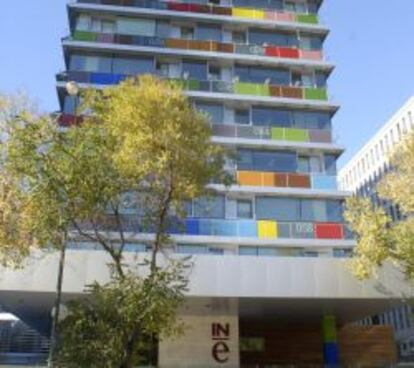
point(136, 27)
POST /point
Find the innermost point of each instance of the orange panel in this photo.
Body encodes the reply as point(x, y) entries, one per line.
point(292, 92)
point(268, 179)
point(176, 43)
point(298, 181)
point(281, 180)
point(275, 91)
point(249, 178)
point(225, 47)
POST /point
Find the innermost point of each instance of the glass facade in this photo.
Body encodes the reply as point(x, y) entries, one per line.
point(284, 190)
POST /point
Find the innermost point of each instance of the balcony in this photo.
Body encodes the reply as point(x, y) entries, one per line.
point(286, 180)
point(255, 229)
point(238, 88)
point(236, 12)
point(199, 45)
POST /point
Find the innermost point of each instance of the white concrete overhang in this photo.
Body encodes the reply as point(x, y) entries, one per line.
point(259, 100)
point(316, 29)
point(209, 55)
point(282, 192)
point(270, 143)
point(136, 237)
point(263, 286)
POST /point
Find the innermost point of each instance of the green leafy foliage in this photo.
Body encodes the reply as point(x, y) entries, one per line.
point(379, 239)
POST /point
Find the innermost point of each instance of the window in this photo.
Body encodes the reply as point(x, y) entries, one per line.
point(263, 116)
point(162, 29)
point(194, 70)
point(208, 33)
point(330, 164)
point(90, 63)
point(244, 209)
point(136, 27)
point(215, 112)
point(192, 249)
point(209, 207)
point(255, 74)
point(311, 120)
point(242, 116)
point(260, 4)
point(309, 164)
point(267, 161)
point(260, 37)
point(187, 33)
point(133, 66)
point(107, 26)
point(313, 210)
point(239, 37)
point(163, 69)
point(248, 251)
point(214, 72)
point(281, 209)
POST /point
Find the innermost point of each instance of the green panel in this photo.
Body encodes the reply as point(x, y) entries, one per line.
point(297, 135)
point(262, 90)
point(316, 94)
point(245, 88)
point(329, 329)
point(84, 36)
point(278, 134)
point(307, 18)
point(192, 85)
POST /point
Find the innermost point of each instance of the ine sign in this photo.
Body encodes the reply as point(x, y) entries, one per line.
point(220, 334)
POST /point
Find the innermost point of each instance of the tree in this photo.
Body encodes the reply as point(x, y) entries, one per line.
point(143, 140)
point(378, 238)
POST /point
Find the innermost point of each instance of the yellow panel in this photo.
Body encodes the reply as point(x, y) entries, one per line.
point(243, 12)
point(259, 14)
point(267, 229)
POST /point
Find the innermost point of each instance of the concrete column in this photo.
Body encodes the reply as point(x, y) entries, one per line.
point(211, 337)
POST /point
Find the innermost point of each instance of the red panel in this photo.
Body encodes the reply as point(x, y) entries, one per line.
point(196, 8)
point(287, 52)
point(178, 7)
point(329, 231)
point(272, 51)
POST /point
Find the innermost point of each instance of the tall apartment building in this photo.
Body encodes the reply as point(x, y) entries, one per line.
point(361, 176)
point(269, 285)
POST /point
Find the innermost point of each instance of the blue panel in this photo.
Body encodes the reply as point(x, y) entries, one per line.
point(205, 227)
point(247, 228)
point(224, 228)
point(324, 182)
point(192, 227)
point(155, 42)
point(176, 227)
point(104, 78)
point(330, 353)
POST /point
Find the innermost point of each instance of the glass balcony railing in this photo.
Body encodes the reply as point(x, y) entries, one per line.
point(258, 229)
point(246, 132)
point(286, 180)
point(238, 88)
point(199, 45)
point(237, 12)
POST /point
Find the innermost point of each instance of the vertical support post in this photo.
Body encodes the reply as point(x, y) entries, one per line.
point(330, 346)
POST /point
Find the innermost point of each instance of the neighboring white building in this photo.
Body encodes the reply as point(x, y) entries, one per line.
point(360, 176)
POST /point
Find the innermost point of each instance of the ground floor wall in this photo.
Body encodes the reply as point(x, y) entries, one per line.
point(216, 335)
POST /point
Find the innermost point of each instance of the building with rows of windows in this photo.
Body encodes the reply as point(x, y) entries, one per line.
point(361, 176)
point(269, 285)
